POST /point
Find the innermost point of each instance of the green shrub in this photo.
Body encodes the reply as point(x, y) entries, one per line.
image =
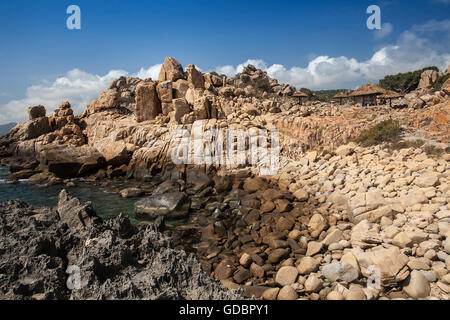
point(384, 131)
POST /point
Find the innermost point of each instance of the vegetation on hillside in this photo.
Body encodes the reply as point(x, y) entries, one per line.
point(327, 95)
point(384, 131)
point(404, 82)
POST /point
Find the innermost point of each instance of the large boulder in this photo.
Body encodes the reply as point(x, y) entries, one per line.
point(171, 70)
point(391, 264)
point(36, 112)
point(172, 205)
point(181, 108)
point(180, 88)
point(31, 129)
point(213, 80)
point(114, 152)
point(106, 100)
point(164, 90)
point(67, 161)
point(195, 77)
point(427, 78)
point(202, 108)
point(147, 103)
point(126, 87)
point(416, 103)
point(446, 86)
point(418, 285)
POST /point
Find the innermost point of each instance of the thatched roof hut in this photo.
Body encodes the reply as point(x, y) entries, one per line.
point(389, 94)
point(368, 89)
point(340, 96)
point(299, 95)
point(367, 92)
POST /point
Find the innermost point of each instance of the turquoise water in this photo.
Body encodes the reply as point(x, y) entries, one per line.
point(106, 204)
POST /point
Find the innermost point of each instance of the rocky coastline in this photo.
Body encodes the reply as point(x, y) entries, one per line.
point(339, 221)
point(116, 259)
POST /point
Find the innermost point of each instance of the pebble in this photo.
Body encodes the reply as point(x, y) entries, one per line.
point(287, 293)
point(308, 265)
point(313, 284)
point(340, 271)
point(286, 276)
point(418, 286)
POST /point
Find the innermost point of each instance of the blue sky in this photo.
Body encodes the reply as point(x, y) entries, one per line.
point(315, 44)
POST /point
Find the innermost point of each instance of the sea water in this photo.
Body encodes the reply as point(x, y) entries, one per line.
point(106, 204)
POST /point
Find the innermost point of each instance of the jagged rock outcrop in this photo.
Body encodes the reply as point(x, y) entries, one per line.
point(195, 78)
point(73, 213)
point(131, 124)
point(108, 99)
point(31, 129)
point(171, 70)
point(126, 89)
point(47, 258)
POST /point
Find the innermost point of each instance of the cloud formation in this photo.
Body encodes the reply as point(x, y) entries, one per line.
point(413, 50)
point(386, 29)
point(416, 48)
point(77, 86)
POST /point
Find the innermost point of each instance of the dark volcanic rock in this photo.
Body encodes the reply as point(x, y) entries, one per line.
point(115, 259)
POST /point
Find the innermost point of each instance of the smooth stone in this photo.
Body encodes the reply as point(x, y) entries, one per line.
point(287, 293)
point(418, 286)
point(340, 271)
point(286, 276)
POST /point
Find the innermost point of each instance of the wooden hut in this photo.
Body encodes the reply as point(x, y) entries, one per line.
point(339, 97)
point(368, 93)
point(389, 94)
point(300, 95)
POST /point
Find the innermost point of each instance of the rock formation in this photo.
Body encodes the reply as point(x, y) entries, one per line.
point(40, 247)
point(334, 215)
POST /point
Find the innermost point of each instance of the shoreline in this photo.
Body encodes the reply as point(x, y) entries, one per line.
point(150, 269)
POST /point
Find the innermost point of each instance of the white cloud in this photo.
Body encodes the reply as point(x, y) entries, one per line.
point(151, 72)
point(413, 50)
point(77, 86)
point(231, 70)
point(386, 29)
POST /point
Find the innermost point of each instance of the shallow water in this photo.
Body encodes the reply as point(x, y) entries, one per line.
point(106, 204)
